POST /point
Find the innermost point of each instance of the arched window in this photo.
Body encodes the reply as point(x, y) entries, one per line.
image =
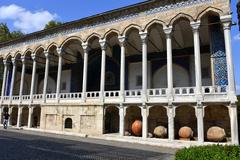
point(68, 123)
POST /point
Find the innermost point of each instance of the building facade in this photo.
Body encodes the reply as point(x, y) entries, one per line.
point(166, 63)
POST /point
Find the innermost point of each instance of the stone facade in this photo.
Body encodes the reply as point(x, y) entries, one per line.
point(152, 61)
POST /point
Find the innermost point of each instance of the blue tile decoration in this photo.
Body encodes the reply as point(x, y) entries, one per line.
point(219, 57)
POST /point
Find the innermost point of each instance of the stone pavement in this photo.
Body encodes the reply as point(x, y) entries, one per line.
point(30, 145)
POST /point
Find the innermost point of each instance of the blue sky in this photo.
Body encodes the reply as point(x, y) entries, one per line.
point(31, 15)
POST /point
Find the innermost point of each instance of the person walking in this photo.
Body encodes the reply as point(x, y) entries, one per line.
point(5, 120)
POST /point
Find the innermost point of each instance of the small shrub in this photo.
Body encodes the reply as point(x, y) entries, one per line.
point(211, 152)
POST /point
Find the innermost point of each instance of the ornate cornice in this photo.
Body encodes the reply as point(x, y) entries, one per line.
point(118, 15)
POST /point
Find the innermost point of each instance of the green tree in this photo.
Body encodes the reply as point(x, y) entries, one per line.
point(51, 24)
point(16, 34)
point(6, 35)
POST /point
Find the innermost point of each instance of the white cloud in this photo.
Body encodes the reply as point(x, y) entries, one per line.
point(24, 20)
point(237, 37)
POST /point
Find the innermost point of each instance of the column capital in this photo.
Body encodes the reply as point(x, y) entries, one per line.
point(46, 53)
point(33, 57)
point(226, 21)
point(13, 61)
point(59, 51)
point(85, 47)
point(168, 30)
point(23, 59)
point(143, 36)
point(227, 25)
point(103, 44)
point(195, 25)
point(122, 40)
point(5, 62)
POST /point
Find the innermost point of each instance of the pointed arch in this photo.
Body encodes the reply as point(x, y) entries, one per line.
point(92, 36)
point(154, 21)
point(179, 16)
point(69, 39)
point(27, 51)
point(17, 53)
point(53, 44)
point(131, 26)
point(207, 10)
point(9, 55)
point(109, 32)
point(39, 48)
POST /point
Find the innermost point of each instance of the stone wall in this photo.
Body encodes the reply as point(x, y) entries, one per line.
point(85, 119)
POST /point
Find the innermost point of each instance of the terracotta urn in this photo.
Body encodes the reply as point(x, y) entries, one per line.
point(185, 133)
point(216, 134)
point(137, 128)
point(160, 132)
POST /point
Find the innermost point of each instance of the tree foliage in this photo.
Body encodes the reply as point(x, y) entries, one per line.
point(6, 34)
point(52, 24)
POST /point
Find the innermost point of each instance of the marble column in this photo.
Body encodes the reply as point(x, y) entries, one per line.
point(33, 77)
point(144, 112)
point(168, 32)
point(19, 118)
point(60, 59)
point(227, 22)
point(122, 41)
point(10, 117)
point(85, 70)
point(121, 120)
point(144, 36)
point(200, 125)
point(46, 76)
point(13, 78)
point(30, 111)
point(22, 79)
point(171, 115)
point(103, 45)
point(197, 56)
point(234, 123)
point(4, 79)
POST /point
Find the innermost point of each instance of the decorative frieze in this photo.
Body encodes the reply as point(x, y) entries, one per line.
point(120, 18)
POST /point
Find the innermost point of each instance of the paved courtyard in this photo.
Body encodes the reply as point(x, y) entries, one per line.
point(27, 145)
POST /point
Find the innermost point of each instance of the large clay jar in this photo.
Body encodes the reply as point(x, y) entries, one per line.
point(137, 128)
point(216, 134)
point(185, 133)
point(160, 132)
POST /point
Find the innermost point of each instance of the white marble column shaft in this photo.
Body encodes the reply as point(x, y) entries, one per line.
point(171, 115)
point(33, 76)
point(46, 75)
point(19, 118)
point(122, 41)
point(121, 120)
point(22, 79)
point(13, 78)
point(144, 36)
point(168, 32)
point(234, 123)
point(4, 79)
point(60, 59)
point(200, 125)
point(197, 57)
point(85, 70)
point(103, 45)
point(30, 111)
point(144, 112)
point(227, 22)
